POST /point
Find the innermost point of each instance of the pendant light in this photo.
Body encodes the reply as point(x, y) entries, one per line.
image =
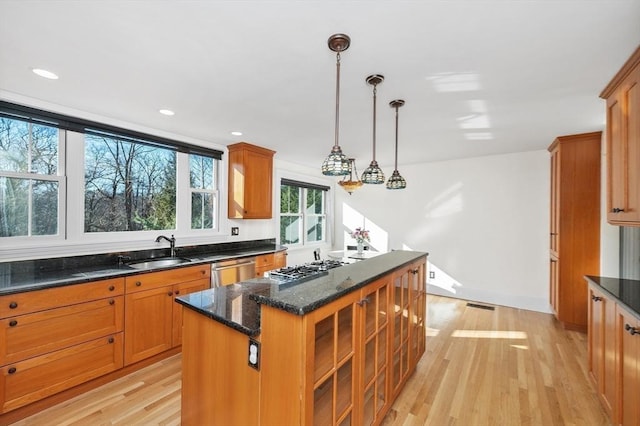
point(374, 174)
point(337, 164)
point(396, 181)
point(351, 185)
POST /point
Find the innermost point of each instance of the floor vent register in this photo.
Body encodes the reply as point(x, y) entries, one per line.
point(475, 305)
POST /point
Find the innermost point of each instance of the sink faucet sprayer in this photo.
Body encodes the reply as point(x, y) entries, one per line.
point(171, 240)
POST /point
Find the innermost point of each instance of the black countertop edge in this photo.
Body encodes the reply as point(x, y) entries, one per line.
point(20, 283)
point(238, 305)
point(624, 291)
point(249, 331)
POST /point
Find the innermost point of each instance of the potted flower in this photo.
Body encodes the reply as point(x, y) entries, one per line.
point(360, 235)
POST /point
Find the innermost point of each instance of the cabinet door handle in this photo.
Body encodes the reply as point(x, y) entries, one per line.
point(112, 302)
point(13, 323)
point(13, 305)
point(414, 271)
point(12, 370)
point(112, 287)
point(617, 210)
point(138, 283)
point(111, 340)
point(631, 330)
point(596, 298)
point(364, 301)
point(177, 292)
point(170, 293)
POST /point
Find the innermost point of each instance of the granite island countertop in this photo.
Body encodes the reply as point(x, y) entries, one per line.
point(22, 276)
point(238, 305)
point(625, 291)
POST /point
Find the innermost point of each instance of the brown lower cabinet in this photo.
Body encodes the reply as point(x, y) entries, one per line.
point(614, 356)
point(55, 339)
point(269, 262)
point(343, 363)
point(153, 319)
point(628, 332)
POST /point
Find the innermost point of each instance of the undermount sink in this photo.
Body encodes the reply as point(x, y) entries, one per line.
point(158, 263)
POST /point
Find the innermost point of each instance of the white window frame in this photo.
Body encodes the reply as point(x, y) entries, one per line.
point(60, 179)
point(303, 216)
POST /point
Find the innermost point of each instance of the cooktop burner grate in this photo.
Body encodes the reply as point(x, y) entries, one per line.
point(305, 272)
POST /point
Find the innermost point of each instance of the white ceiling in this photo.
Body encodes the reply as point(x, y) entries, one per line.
point(478, 77)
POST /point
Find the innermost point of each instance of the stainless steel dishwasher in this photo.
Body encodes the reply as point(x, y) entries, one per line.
point(232, 271)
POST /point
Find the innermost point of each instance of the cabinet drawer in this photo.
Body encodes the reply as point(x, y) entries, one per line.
point(264, 263)
point(165, 278)
point(35, 334)
point(36, 378)
point(33, 301)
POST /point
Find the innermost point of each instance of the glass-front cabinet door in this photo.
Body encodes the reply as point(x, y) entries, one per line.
point(334, 368)
point(375, 315)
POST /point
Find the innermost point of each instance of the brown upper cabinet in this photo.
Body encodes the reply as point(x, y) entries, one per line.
point(250, 181)
point(623, 144)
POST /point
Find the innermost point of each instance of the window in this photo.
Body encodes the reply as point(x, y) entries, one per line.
point(204, 191)
point(129, 186)
point(120, 180)
point(31, 181)
point(303, 214)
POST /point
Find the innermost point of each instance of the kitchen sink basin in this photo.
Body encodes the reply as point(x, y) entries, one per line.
point(158, 263)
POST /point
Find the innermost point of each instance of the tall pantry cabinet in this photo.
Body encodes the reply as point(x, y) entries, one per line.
point(574, 225)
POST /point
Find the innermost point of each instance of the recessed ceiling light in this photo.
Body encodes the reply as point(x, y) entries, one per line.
point(236, 133)
point(45, 73)
point(166, 112)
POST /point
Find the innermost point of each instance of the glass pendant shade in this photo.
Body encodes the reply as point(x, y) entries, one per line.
point(351, 185)
point(337, 164)
point(374, 174)
point(396, 181)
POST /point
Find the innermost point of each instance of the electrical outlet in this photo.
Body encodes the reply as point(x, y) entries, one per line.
point(254, 354)
point(235, 230)
point(432, 274)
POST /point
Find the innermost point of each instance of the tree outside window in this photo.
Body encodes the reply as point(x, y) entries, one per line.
point(129, 186)
point(204, 193)
point(29, 178)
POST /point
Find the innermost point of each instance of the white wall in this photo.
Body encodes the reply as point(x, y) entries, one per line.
point(484, 222)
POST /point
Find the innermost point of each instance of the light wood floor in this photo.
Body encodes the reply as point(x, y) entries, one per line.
point(482, 367)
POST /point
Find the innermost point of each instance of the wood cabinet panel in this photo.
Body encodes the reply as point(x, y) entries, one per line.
point(269, 262)
point(623, 144)
point(149, 323)
point(575, 224)
point(250, 182)
point(37, 333)
point(601, 348)
point(167, 277)
point(628, 332)
point(33, 379)
point(181, 290)
point(38, 300)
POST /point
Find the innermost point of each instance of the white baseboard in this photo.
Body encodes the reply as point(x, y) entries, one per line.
point(493, 298)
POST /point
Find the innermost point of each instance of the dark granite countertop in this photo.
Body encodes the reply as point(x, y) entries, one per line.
point(238, 307)
point(18, 277)
point(625, 291)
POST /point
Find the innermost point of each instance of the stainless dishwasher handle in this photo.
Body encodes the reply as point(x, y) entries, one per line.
point(237, 265)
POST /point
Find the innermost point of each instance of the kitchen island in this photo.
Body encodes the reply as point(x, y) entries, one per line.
point(336, 349)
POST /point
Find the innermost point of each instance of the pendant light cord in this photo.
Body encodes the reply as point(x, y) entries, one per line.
point(375, 92)
point(396, 162)
point(337, 96)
